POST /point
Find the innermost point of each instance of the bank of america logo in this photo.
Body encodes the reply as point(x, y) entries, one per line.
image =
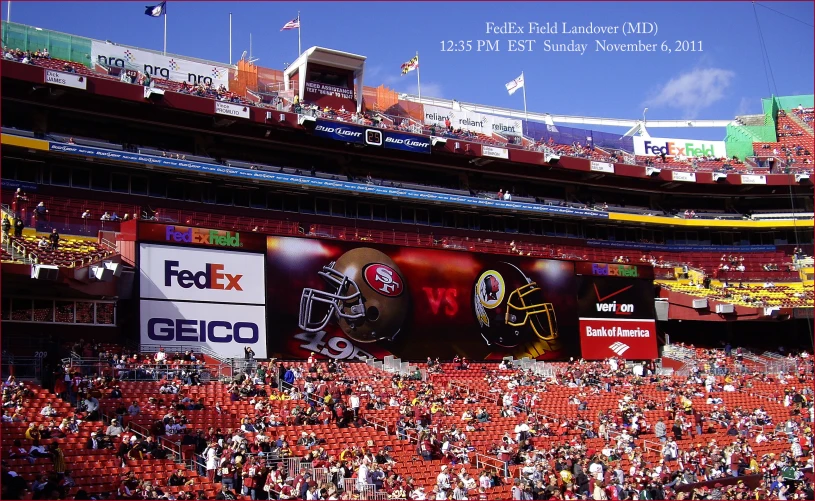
point(619, 348)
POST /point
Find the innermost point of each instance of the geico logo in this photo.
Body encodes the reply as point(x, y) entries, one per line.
point(614, 307)
point(202, 331)
point(340, 131)
point(211, 278)
point(153, 70)
point(407, 142)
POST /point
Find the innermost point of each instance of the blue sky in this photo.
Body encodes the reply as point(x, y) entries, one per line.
point(725, 79)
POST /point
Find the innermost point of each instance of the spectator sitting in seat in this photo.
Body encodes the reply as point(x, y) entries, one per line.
point(48, 411)
point(105, 217)
point(115, 429)
point(43, 244)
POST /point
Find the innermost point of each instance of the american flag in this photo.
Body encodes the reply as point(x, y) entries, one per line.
point(291, 25)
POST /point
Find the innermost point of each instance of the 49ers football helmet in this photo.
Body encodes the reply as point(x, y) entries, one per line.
point(366, 295)
point(510, 309)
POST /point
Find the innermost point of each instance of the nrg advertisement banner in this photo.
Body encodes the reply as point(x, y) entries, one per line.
point(177, 69)
point(616, 317)
point(347, 301)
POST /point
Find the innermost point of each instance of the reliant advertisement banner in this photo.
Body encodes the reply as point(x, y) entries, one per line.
point(226, 329)
point(348, 300)
point(657, 146)
point(198, 274)
point(479, 123)
point(616, 316)
point(157, 65)
point(406, 142)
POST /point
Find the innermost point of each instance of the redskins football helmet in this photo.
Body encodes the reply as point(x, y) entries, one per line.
point(366, 295)
point(510, 309)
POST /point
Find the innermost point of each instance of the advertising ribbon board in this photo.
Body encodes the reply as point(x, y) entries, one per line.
point(657, 146)
point(175, 68)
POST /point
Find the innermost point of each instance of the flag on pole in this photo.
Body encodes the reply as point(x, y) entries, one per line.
point(294, 24)
point(410, 65)
point(515, 84)
point(156, 10)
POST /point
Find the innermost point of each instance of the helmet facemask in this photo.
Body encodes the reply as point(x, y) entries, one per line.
point(345, 303)
point(538, 315)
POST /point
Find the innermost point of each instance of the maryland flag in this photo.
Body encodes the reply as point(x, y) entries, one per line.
point(410, 65)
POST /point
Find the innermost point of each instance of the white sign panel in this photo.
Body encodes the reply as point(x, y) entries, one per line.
point(157, 65)
point(192, 274)
point(688, 177)
point(492, 151)
point(66, 79)
point(657, 146)
point(479, 123)
point(225, 329)
point(602, 167)
point(233, 110)
point(753, 179)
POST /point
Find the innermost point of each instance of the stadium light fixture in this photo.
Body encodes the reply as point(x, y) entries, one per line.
point(643, 114)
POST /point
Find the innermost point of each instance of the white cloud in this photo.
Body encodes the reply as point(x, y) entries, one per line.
point(746, 105)
point(693, 91)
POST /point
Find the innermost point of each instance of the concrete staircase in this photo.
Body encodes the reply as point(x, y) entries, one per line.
point(801, 123)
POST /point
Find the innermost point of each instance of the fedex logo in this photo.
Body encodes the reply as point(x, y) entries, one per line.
point(188, 235)
point(614, 270)
point(672, 149)
point(212, 277)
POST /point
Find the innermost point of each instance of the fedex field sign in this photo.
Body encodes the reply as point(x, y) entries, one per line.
point(201, 236)
point(198, 274)
point(653, 146)
point(614, 270)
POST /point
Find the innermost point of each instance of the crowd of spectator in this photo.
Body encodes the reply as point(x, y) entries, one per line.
point(667, 438)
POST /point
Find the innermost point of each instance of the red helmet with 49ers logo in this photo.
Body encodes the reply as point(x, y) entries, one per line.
point(366, 295)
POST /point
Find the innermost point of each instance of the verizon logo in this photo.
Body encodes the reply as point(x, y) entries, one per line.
point(619, 348)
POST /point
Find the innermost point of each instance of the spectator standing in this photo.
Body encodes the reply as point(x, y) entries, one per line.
point(19, 225)
point(54, 239)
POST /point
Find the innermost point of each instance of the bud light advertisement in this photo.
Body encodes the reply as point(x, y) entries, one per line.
point(340, 131)
point(355, 300)
point(406, 142)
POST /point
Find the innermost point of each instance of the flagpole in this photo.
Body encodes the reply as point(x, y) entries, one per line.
point(230, 38)
point(8, 16)
point(165, 30)
point(418, 79)
point(299, 47)
point(523, 79)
